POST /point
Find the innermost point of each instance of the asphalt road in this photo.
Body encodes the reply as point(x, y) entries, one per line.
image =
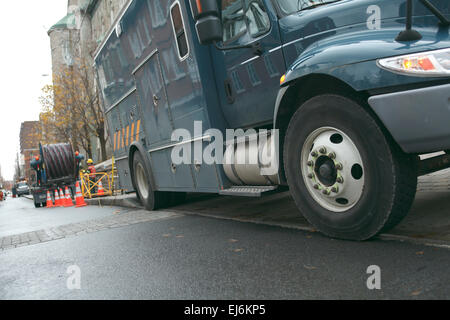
point(133, 254)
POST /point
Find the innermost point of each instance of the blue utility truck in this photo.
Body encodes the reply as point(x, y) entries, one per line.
point(334, 100)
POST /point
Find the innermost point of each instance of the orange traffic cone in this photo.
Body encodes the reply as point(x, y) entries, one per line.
point(62, 197)
point(79, 199)
point(49, 200)
point(57, 201)
point(100, 192)
point(68, 202)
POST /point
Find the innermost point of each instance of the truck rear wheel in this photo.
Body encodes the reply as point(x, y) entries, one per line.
point(149, 198)
point(346, 177)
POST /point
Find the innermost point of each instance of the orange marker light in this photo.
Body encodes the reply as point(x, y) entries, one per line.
point(199, 6)
point(283, 79)
point(407, 64)
point(426, 64)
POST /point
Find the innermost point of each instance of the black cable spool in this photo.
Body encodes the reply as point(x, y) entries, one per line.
point(59, 160)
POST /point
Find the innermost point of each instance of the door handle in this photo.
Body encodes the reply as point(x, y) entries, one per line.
point(257, 49)
point(155, 100)
point(229, 91)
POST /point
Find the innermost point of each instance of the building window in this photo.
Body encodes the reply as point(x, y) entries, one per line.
point(273, 72)
point(237, 82)
point(179, 31)
point(252, 74)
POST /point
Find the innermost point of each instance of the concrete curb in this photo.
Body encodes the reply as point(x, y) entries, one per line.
point(120, 201)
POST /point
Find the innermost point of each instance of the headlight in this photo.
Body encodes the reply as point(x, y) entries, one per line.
point(431, 63)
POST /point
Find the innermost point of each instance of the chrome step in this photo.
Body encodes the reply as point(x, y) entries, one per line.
point(248, 191)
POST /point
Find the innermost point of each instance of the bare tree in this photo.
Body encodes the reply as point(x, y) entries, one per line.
point(71, 109)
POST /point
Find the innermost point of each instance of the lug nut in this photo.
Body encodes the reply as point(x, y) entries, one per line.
point(314, 154)
point(340, 180)
point(326, 192)
point(339, 166)
point(311, 176)
point(310, 163)
point(335, 189)
point(323, 150)
point(332, 155)
point(316, 186)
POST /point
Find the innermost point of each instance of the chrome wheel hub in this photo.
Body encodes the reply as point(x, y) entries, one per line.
point(332, 169)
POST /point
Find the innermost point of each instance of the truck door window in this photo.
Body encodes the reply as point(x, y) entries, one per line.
point(240, 17)
point(233, 19)
point(257, 18)
point(179, 31)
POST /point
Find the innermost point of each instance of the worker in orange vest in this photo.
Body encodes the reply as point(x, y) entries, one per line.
point(92, 174)
point(36, 164)
point(78, 158)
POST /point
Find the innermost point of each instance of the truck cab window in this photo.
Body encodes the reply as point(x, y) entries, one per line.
point(233, 19)
point(257, 17)
point(179, 31)
point(240, 17)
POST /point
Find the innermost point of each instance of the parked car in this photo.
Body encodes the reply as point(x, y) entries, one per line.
point(22, 189)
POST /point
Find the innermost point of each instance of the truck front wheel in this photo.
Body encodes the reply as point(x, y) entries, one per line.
point(346, 177)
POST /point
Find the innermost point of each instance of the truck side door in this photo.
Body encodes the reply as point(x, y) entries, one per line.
point(248, 78)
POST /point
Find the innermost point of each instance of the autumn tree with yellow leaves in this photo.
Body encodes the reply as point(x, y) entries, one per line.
point(71, 110)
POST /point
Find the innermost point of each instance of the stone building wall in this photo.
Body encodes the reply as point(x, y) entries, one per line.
point(77, 36)
point(103, 16)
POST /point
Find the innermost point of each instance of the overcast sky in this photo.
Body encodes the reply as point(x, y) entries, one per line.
point(24, 58)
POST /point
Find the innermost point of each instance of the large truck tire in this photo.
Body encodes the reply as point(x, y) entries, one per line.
point(149, 198)
point(346, 177)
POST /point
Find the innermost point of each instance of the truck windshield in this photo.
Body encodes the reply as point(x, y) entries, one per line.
point(291, 6)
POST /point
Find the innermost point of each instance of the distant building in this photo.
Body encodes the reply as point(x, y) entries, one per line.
point(8, 185)
point(29, 146)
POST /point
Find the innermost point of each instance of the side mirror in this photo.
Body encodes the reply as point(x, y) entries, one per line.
point(208, 24)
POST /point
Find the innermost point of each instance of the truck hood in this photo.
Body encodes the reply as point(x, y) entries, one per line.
point(345, 13)
point(341, 33)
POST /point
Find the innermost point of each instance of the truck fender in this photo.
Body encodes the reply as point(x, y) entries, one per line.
point(280, 97)
point(351, 60)
point(303, 88)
